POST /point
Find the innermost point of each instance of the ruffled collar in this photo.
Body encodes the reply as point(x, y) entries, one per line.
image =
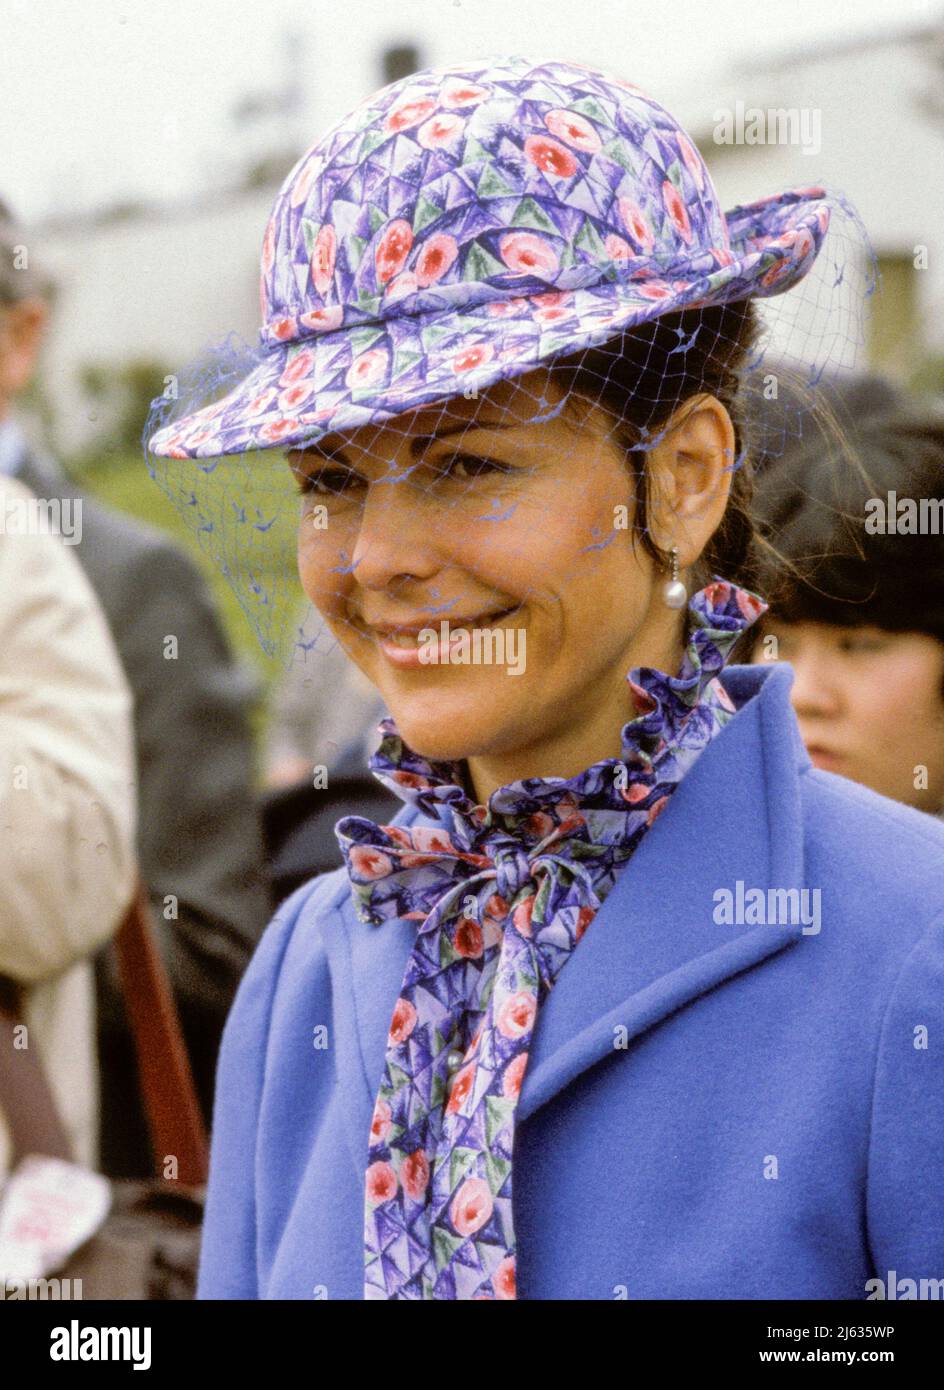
point(673, 714)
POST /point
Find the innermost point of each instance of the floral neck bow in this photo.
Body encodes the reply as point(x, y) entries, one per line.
point(501, 894)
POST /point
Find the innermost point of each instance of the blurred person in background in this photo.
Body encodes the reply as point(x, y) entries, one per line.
point(857, 601)
point(323, 711)
point(67, 811)
point(322, 730)
point(835, 405)
point(199, 839)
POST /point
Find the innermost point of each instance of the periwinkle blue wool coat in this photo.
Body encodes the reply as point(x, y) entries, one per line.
point(710, 1109)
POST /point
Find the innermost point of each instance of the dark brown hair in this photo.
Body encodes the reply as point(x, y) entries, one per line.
point(843, 571)
point(642, 377)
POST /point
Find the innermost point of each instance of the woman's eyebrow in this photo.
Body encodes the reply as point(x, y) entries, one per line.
point(419, 442)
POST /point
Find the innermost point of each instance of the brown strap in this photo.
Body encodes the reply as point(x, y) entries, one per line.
point(173, 1112)
point(175, 1121)
point(26, 1100)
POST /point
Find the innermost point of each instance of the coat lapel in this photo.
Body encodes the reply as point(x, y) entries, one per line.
point(654, 946)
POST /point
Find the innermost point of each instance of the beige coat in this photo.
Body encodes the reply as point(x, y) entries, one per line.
point(67, 805)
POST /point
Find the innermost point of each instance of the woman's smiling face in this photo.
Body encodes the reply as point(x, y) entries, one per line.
point(506, 522)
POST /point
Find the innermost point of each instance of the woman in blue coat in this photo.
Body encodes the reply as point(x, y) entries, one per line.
point(629, 1000)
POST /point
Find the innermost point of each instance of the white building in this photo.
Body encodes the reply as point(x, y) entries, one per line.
point(869, 117)
point(163, 283)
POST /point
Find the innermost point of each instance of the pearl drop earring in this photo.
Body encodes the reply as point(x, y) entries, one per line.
point(675, 595)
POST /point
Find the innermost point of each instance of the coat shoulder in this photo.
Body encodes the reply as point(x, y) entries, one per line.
point(300, 919)
point(289, 954)
point(877, 856)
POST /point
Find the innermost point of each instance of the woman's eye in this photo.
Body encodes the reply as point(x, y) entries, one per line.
point(329, 482)
point(862, 645)
point(334, 482)
point(466, 466)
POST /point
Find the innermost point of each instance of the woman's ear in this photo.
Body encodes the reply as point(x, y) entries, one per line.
point(689, 472)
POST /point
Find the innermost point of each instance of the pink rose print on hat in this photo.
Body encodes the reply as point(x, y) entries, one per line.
point(400, 286)
point(295, 396)
point(409, 113)
point(259, 404)
point(472, 357)
point(691, 159)
point(300, 366)
point(677, 210)
point(435, 258)
point(575, 130)
point(458, 93)
point(393, 249)
point(323, 253)
point(505, 308)
point(776, 273)
point(268, 247)
point(655, 289)
point(617, 247)
point(636, 225)
point(528, 253)
point(323, 320)
point(368, 368)
point(304, 181)
point(274, 430)
point(440, 130)
point(550, 156)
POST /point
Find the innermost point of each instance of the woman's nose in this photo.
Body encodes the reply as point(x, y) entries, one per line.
point(815, 691)
point(394, 536)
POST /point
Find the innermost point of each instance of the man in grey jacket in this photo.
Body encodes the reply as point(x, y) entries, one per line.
point(199, 839)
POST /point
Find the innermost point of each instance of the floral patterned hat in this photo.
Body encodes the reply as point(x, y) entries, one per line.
point(466, 223)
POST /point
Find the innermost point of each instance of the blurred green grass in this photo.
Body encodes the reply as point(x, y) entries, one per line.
point(262, 485)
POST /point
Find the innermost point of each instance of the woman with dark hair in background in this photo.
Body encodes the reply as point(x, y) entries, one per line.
point(857, 605)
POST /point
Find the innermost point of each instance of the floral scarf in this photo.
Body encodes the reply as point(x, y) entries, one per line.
point(501, 894)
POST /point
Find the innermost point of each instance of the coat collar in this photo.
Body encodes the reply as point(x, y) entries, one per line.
point(654, 945)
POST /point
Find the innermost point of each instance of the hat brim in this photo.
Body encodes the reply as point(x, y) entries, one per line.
point(343, 379)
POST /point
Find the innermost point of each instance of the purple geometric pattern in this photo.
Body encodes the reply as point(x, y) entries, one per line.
point(464, 224)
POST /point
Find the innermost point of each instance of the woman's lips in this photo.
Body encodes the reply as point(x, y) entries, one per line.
point(402, 649)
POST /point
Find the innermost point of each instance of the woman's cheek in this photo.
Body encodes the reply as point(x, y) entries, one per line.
point(321, 568)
